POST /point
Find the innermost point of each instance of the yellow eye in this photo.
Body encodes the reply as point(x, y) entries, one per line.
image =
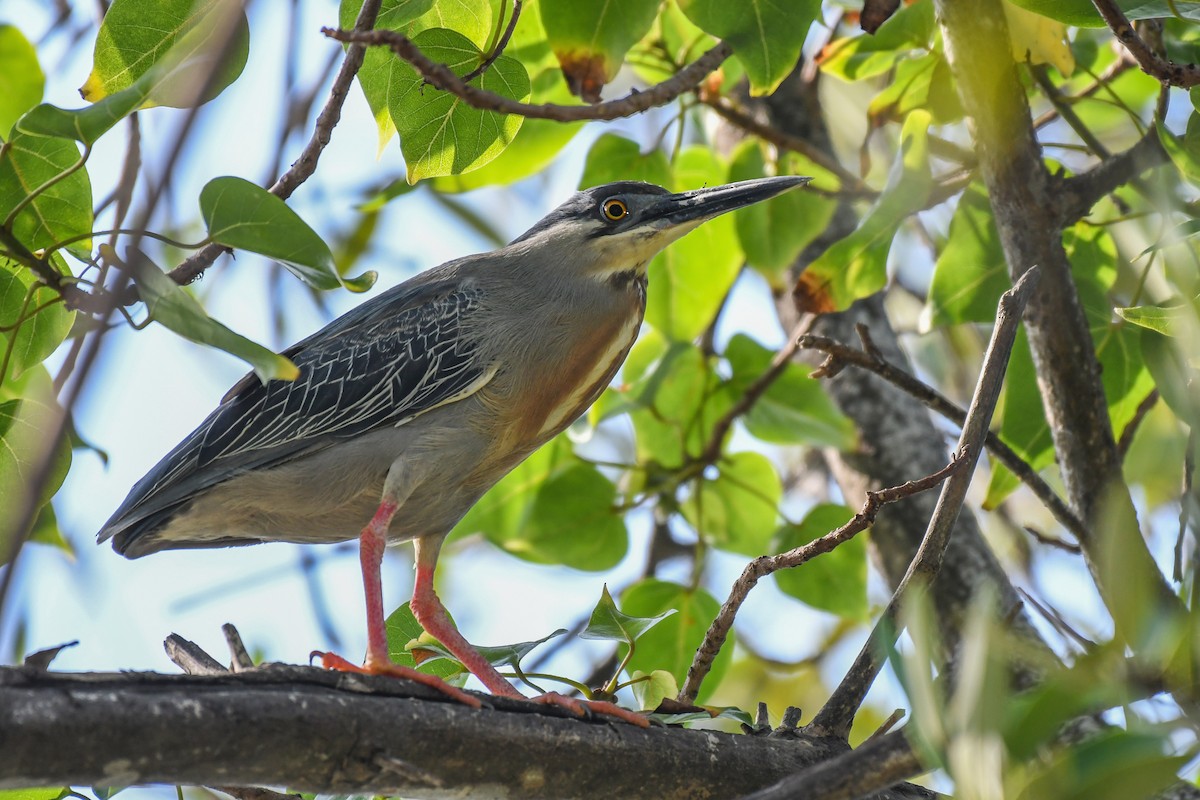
point(614, 209)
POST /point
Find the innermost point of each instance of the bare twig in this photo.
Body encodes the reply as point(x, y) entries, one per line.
point(240, 660)
point(762, 566)
point(500, 45)
point(839, 355)
point(1186, 501)
point(1162, 69)
point(838, 713)
point(442, 77)
point(1131, 428)
point(190, 657)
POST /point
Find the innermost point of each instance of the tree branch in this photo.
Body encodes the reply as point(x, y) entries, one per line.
point(872, 360)
point(442, 77)
point(1079, 193)
point(762, 566)
point(314, 730)
point(1162, 69)
point(838, 713)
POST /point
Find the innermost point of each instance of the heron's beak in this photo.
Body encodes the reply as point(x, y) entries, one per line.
point(688, 209)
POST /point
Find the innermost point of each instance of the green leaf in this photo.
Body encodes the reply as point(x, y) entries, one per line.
point(240, 214)
point(773, 233)
point(795, 408)
point(177, 38)
point(171, 306)
point(675, 407)
point(501, 655)
point(84, 124)
point(738, 509)
point(1023, 425)
point(614, 158)
point(835, 581)
point(21, 79)
point(651, 688)
point(46, 531)
point(766, 35)
point(549, 494)
point(404, 630)
point(28, 410)
point(1182, 152)
point(375, 76)
point(921, 82)
point(1112, 765)
point(867, 55)
point(1180, 322)
point(439, 133)
point(537, 144)
point(51, 793)
point(856, 266)
point(609, 623)
point(690, 279)
point(672, 643)
point(1083, 14)
point(971, 272)
point(61, 211)
point(45, 326)
point(1176, 374)
point(591, 39)
point(472, 19)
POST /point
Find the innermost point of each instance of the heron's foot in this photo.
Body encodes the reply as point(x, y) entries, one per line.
point(394, 670)
point(582, 707)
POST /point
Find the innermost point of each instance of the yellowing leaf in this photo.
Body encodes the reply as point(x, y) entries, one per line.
point(1038, 39)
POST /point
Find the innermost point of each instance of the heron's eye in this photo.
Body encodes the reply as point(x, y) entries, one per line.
point(614, 209)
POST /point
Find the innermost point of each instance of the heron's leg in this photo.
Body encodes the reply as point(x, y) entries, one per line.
point(372, 543)
point(429, 611)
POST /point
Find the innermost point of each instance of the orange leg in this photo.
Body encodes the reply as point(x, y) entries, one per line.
point(371, 545)
point(429, 611)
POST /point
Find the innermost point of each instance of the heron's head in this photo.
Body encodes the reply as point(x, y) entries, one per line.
point(618, 227)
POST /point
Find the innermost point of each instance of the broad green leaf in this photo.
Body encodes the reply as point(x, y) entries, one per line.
point(171, 306)
point(554, 508)
point(614, 158)
point(795, 408)
point(672, 643)
point(609, 623)
point(403, 630)
point(379, 63)
point(52, 793)
point(1176, 374)
point(866, 55)
point(28, 411)
point(537, 144)
point(439, 133)
point(591, 39)
point(921, 82)
point(856, 266)
point(241, 214)
point(773, 233)
point(46, 531)
point(766, 35)
point(182, 39)
point(1081, 13)
point(690, 279)
point(738, 509)
point(60, 211)
point(472, 19)
point(85, 124)
point(1184, 152)
point(45, 326)
point(1023, 425)
point(651, 688)
point(675, 406)
point(835, 581)
point(21, 77)
point(501, 655)
point(971, 272)
point(1112, 765)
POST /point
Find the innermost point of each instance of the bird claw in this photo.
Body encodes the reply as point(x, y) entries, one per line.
point(583, 708)
point(394, 670)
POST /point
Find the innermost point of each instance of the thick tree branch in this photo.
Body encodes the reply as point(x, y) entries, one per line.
point(1079, 193)
point(318, 731)
point(442, 77)
point(838, 713)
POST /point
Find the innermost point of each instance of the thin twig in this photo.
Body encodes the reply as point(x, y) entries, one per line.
point(1162, 69)
point(442, 77)
point(1186, 500)
point(762, 566)
point(190, 657)
point(1131, 428)
point(838, 713)
point(840, 355)
point(500, 45)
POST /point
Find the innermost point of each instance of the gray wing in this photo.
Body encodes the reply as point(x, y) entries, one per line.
point(380, 365)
